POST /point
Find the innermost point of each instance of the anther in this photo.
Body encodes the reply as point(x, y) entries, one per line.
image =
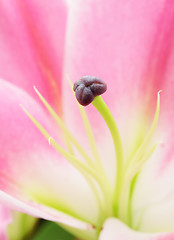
point(87, 87)
point(49, 140)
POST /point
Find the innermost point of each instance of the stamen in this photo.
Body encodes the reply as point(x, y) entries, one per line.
point(135, 165)
point(144, 145)
point(64, 128)
point(49, 140)
point(93, 146)
point(73, 160)
point(90, 135)
point(84, 169)
point(124, 203)
point(135, 168)
point(68, 144)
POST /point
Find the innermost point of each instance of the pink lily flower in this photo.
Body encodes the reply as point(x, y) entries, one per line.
point(76, 175)
point(5, 219)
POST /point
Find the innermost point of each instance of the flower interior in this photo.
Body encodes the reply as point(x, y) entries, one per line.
point(112, 201)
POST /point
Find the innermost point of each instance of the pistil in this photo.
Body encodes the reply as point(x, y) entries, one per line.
point(102, 108)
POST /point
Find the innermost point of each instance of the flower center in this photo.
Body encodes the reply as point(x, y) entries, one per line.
point(111, 201)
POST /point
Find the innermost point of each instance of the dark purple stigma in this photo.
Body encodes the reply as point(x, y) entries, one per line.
point(87, 87)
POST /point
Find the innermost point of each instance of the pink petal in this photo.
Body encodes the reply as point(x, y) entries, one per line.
point(130, 46)
point(113, 229)
point(32, 40)
point(139, 63)
point(5, 219)
point(40, 211)
point(107, 39)
point(30, 169)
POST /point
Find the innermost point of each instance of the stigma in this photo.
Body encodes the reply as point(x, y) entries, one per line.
point(87, 88)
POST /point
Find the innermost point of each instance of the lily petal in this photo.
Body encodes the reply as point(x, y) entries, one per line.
point(107, 39)
point(5, 219)
point(32, 41)
point(114, 229)
point(30, 169)
point(44, 212)
point(123, 53)
point(135, 62)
